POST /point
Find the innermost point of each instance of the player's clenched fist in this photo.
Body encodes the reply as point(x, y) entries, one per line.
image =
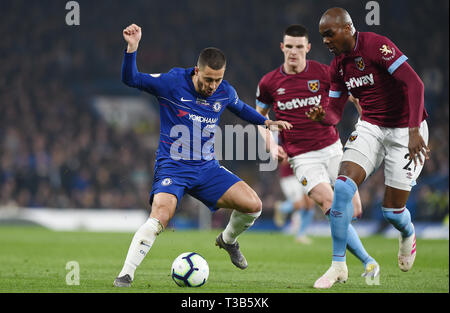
point(132, 35)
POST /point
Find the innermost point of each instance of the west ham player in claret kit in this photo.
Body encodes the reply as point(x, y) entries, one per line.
point(392, 128)
point(314, 150)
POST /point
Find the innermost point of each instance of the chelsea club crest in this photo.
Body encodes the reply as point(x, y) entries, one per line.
point(217, 106)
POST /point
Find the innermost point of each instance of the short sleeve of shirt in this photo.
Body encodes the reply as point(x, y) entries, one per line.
point(263, 97)
point(385, 53)
point(337, 85)
point(326, 74)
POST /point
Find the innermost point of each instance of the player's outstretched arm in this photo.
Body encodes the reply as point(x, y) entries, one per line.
point(249, 114)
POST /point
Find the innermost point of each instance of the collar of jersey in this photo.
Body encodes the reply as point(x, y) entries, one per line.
point(354, 50)
point(305, 70)
point(357, 41)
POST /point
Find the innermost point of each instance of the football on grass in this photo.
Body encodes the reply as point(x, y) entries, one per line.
point(190, 269)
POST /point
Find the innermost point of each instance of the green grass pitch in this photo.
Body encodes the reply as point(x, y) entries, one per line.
point(33, 260)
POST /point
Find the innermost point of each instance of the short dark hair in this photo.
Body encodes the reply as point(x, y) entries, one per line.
point(296, 30)
point(212, 57)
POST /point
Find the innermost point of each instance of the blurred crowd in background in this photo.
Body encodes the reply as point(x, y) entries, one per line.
point(57, 151)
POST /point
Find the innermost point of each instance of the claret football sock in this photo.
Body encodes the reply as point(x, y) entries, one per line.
point(140, 245)
point(238, 223)
point(341, 215)
point(400, 218)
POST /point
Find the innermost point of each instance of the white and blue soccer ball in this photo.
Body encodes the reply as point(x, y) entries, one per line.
point(190, 269)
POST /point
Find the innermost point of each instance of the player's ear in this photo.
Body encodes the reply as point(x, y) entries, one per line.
point(282, 46)
point(308, 47)
point(348, 28)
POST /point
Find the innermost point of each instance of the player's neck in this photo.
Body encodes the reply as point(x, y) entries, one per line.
point(291, 70)
point(195, 83)
point(353, 41)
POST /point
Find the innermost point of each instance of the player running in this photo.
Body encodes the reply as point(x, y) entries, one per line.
point(392, 129)
point(297, 202)
point(192, 101)
point(314, 150)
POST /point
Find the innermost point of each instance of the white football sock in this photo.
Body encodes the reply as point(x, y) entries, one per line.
point(339, 265)
point(238, 223)
point(140, 245)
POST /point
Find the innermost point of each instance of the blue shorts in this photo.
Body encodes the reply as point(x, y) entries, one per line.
point(206, 183)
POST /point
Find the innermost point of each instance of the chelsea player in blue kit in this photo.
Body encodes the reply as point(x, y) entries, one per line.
point(191, 102)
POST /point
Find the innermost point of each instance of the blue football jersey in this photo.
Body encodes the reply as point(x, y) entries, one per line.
point(188, 119)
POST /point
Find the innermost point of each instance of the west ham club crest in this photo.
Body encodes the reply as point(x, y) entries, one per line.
point(360, 63)
point(313, 85)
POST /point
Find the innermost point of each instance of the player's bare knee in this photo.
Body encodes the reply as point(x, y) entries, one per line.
point(163, 212)
point(163, 219)
point(326, 204)
point(353, 171)
point(253, 205)
point(323, 201)
point(394, 203)
point(257, 205)
point(395, 198)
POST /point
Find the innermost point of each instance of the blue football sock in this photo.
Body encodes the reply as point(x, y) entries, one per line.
point(400, 219)
point(287, 206)
point(306, 219)
point(340, 215)
point(355, 246)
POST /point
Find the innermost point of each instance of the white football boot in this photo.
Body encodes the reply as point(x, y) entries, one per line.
point(372, 270)
point(338, 272)
point(407, 251)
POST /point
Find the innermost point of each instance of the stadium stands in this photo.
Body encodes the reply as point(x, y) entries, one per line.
point(56, 151)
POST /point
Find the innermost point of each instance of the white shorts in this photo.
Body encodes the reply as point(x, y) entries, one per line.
point(319, 166)
point(292, 189)
point(369, 145)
